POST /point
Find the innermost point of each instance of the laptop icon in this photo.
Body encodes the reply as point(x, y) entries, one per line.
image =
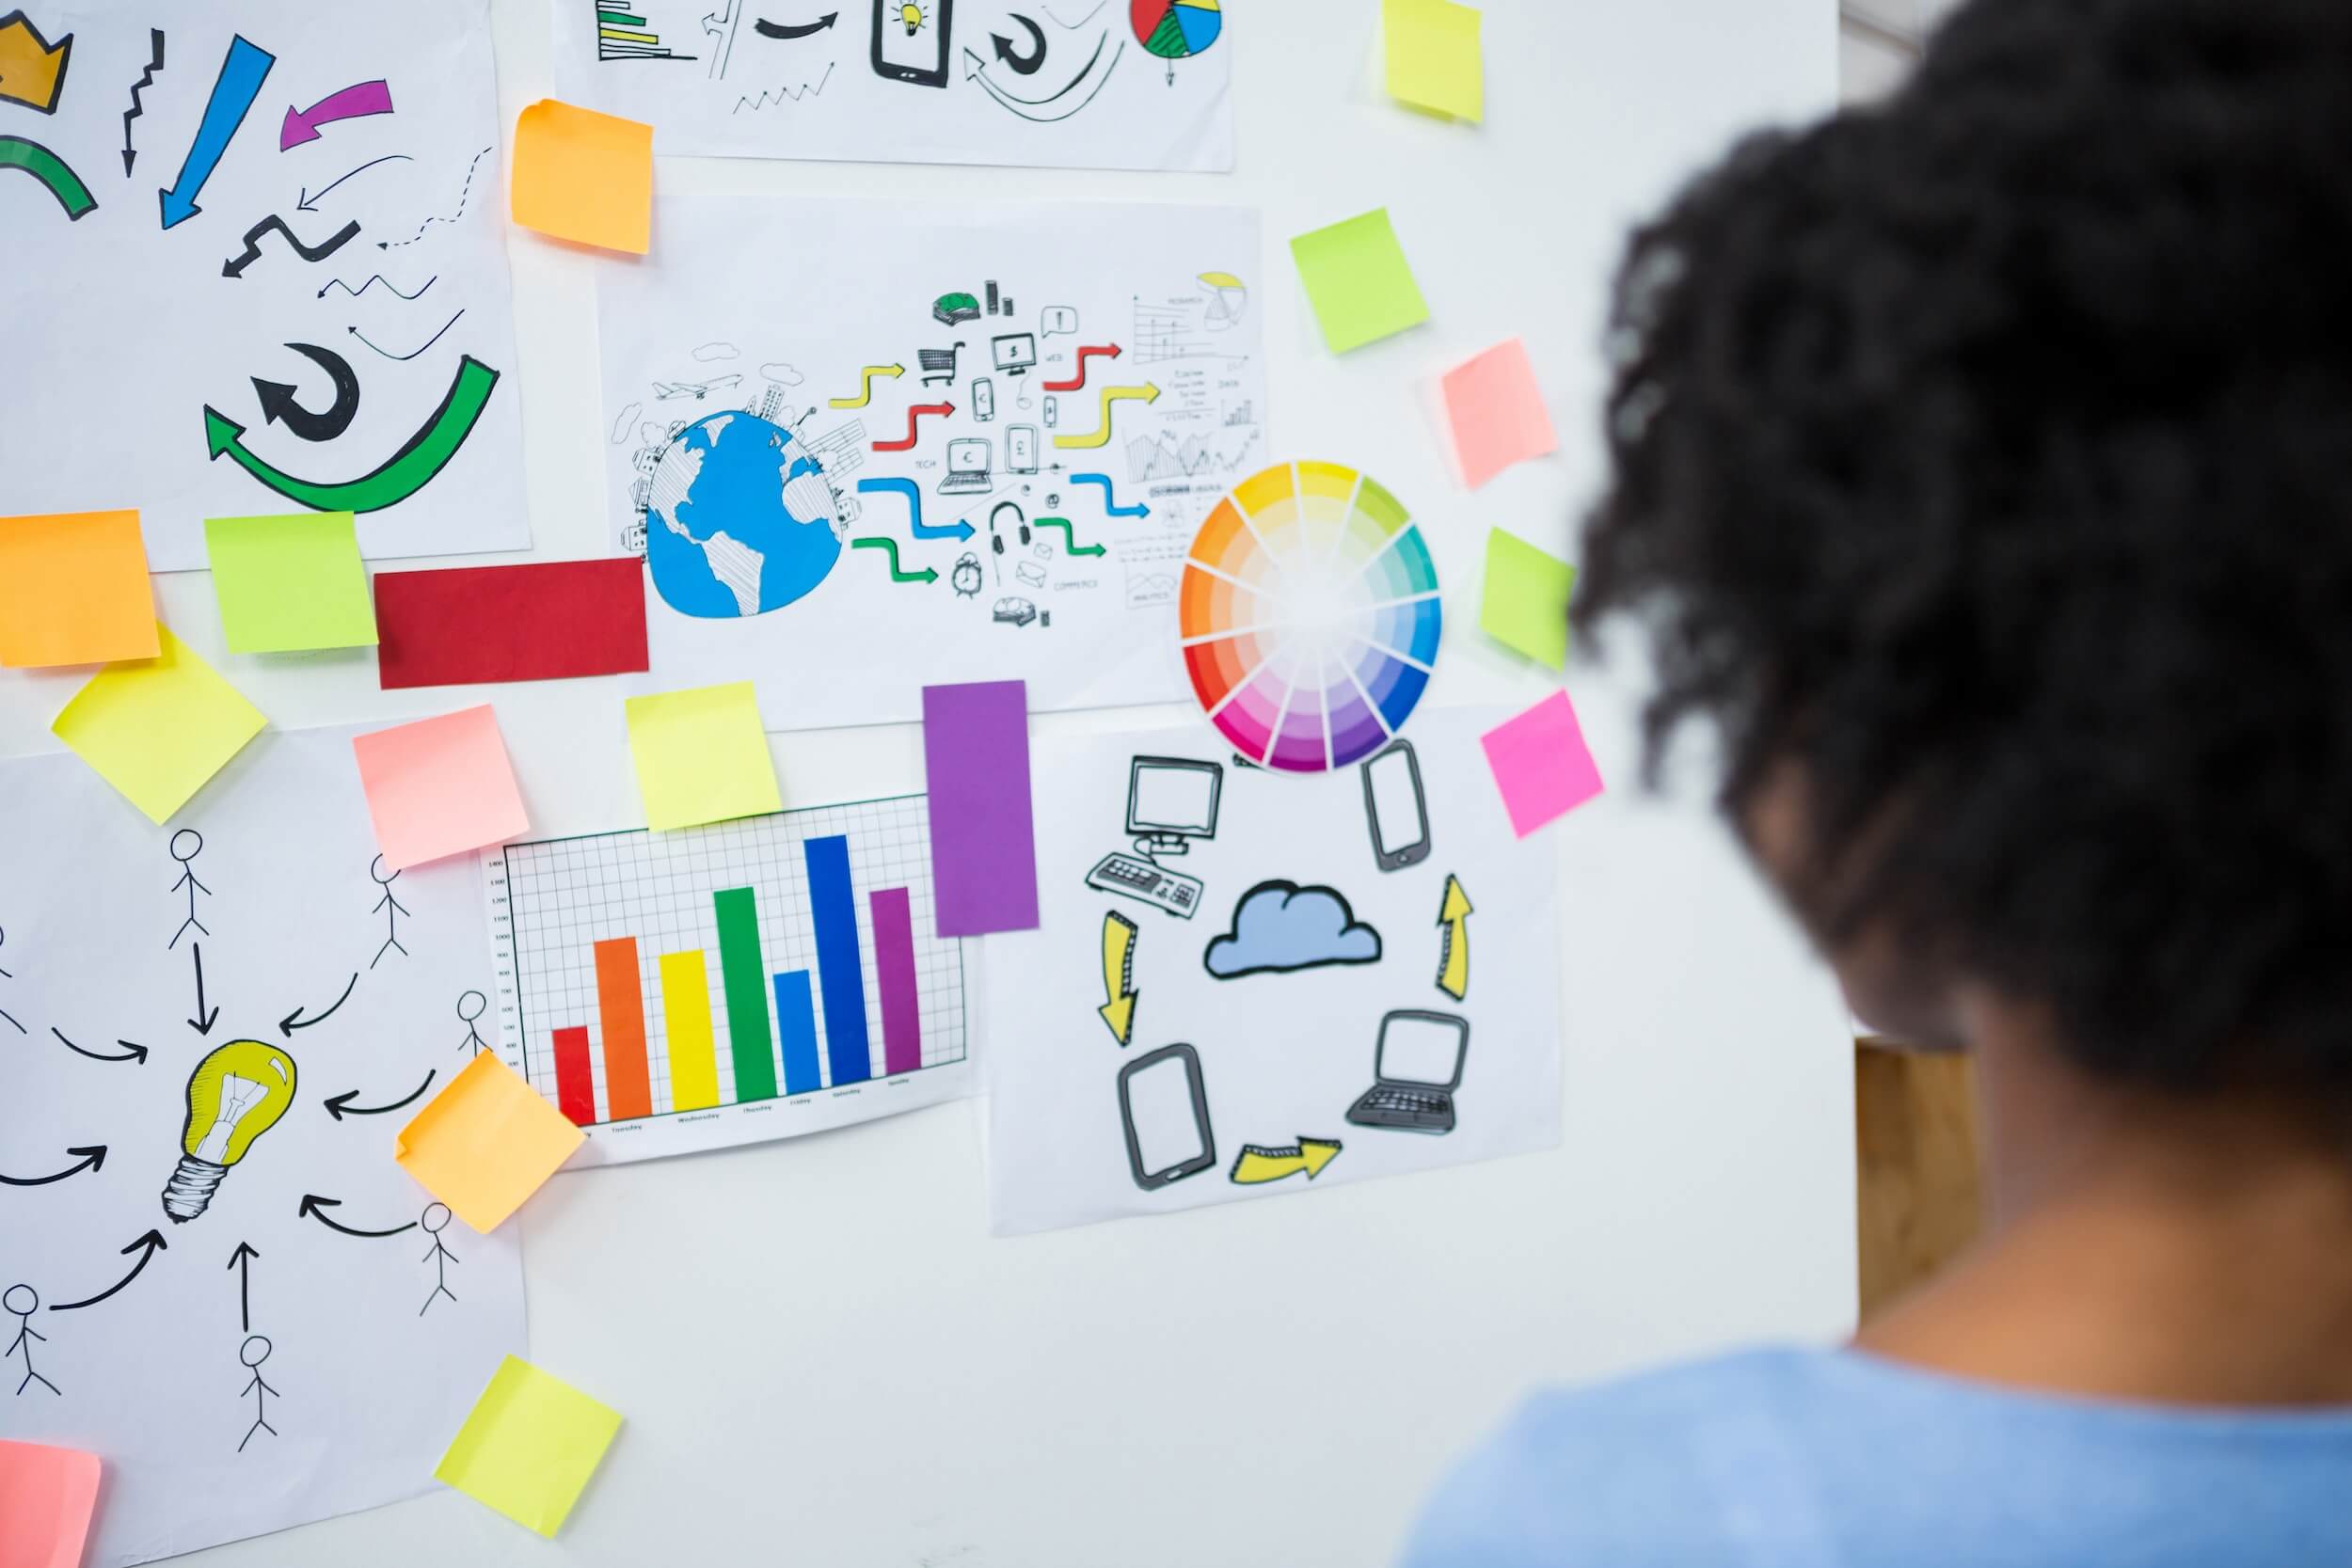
point(1416, 1068)
point(967, 468)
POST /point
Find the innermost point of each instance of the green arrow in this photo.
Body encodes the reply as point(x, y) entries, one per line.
point(407, 471)
point(50, 170)
point(926, 575)
point(1070, 537)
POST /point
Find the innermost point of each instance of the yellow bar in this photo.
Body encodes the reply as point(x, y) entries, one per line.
point(693, 1054)
point(625, 36)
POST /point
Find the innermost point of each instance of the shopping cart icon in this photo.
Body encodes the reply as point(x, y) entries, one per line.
point(938, 364)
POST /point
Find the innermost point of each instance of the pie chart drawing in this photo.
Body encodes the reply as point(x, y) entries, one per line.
point(1229, 298)
point(1308, 617)
point(1176, 29)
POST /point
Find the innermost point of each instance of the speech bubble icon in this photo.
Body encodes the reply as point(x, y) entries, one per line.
point(1057, 317)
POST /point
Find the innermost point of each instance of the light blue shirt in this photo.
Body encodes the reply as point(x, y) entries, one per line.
point(1816, 1459)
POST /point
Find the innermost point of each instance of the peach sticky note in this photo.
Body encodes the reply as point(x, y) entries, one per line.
point(157, 728)
point(1497, 412)
point(46, 1499)
point(529, 1446)
point(580, 175)
point(1541, 764)
point(1435, 58)
point(702, 757)
point(74, 589)
point(485, 1143)
point(439, 786)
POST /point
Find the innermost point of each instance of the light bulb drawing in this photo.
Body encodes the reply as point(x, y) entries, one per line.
point(914, 16)
point(235, 1095)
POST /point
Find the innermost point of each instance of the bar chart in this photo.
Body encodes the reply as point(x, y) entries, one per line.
point(743, 981)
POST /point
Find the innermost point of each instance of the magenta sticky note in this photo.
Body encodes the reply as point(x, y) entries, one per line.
point(1496, 411)
point(976, 756)
point(46, 1497)
point(439, 786)
point(1541, 764)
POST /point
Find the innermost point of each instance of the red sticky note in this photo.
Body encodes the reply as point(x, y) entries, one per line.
point(477, 624)
point(439, 786)
point(1541, 764)
point(46, 1499)
point(1497, 412)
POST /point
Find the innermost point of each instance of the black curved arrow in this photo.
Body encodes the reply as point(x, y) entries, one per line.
point(92, 1157)
point(242, 1260)
point(316, 1207)
point(768, 29)
point(341, 1106)
point(235, 265)
point(134, 1053)
point(1025, 64)
point(280, 407)
point(153, 1242)
point(294, 1020)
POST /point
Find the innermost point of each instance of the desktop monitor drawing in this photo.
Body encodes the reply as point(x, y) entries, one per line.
point(1171, 802)
point(1015, 352)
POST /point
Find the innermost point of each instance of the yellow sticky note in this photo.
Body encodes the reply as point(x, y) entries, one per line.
point(1434, 60)
point(74, 589)
point(702, 757)
point(157, 728)
point(1526, 602)
point(529, 1444)
point(485, 1143)
point(580, 175)
point(1358, 281)
point(289, 582)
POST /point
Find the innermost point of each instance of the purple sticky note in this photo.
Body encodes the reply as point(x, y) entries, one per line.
point(975, 758)
point(1541, 764)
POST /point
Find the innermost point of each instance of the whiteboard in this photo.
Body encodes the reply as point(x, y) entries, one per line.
point(822, 1355)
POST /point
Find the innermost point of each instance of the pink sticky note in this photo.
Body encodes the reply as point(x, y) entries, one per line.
point(1541, 764)
point(46, 1499)
point(1496, 411)
point(439, 786)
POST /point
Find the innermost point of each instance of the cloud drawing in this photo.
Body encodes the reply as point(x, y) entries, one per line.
point(1280, 928)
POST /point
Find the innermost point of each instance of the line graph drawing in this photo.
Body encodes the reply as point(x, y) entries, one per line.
point(1164, 332)
point(769, 97)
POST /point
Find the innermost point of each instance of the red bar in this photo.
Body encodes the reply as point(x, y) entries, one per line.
point(621, 1002)
point(475, 625)
point(894, 978)
point(575, 1092)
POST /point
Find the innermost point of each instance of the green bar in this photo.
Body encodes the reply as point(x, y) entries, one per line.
point(746, 976)
point(622, 17)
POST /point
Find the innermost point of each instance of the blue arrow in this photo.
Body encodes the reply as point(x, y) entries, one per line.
point(913, 494)
point(1109, 509)
point(239, 84)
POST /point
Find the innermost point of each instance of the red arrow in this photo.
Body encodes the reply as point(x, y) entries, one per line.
point(1077, 383)
point(942, 409)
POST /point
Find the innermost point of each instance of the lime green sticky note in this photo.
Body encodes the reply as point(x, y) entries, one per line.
point(1435, 61)
point(157, 728)
point(1525, 605)
point(1357, 280)
point(289, 582)
point(702, 755)
point(529, 1446)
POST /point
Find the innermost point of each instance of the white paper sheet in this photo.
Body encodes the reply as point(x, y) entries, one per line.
point(370, 1348)
point(1081, 83)
point(1143, 1060)
point(1026, 534)
point(121, 333)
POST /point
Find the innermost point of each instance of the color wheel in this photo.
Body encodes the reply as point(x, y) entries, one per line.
point(1309, 616)
point(1176, 29)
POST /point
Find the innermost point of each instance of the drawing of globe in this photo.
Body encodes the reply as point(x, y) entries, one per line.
point(740, 520)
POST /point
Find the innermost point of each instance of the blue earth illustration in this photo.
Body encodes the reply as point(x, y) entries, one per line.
point(740, 520)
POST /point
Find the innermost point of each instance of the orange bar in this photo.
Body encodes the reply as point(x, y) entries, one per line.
point(621, 1001)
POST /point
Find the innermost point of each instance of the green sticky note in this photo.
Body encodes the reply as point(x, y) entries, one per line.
point(157, 728)
point(1435, 61)
point(702, 755)
point(529, 1446)
point(289, 582)
point(1526, 602)
point(1357, 280)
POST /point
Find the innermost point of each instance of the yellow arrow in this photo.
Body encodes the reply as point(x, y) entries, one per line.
point(1119, 977)
point(32, 70)
point(1148, 393)
point(1453, 948)
point(865, 385)
point(1260, 1164)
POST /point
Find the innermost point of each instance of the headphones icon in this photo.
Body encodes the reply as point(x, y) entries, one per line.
point(995, 541)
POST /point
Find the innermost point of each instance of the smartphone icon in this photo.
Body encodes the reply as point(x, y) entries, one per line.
point(1166, 1108)
point(983, 399)
point(1395, 808)
point(1021, 448)
point(911, 40)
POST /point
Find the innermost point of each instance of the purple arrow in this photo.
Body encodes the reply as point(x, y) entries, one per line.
point(362, 98)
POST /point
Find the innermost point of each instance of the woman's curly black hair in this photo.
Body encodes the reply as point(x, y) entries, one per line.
point(1983, 460)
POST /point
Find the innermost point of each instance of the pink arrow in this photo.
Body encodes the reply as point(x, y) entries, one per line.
point(352, 103)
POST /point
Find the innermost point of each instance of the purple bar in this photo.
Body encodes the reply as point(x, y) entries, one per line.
point(975, 758)
point(894, 977)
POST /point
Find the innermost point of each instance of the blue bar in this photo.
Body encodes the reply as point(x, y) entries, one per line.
point(795, 1024)
point(839, 971)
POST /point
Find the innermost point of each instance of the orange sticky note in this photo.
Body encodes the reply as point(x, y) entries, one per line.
point(580, 175)
point(74, 589)
point(439, 786)
point(1497, 412)
point(46, 1497)
point(485, 1143)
